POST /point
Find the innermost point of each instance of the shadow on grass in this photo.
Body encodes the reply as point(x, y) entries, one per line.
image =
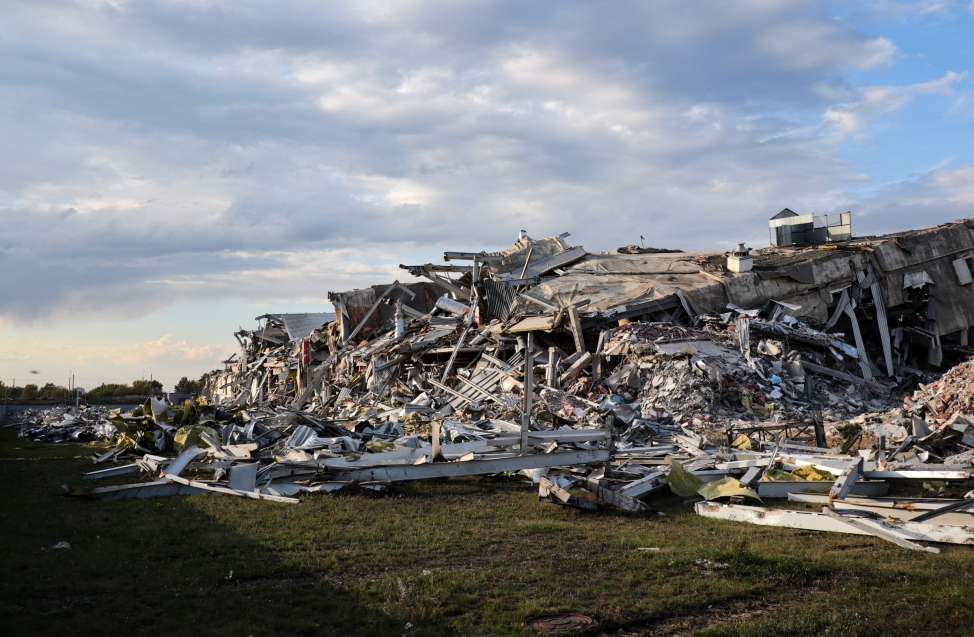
point(150, 566)
point(464, 556)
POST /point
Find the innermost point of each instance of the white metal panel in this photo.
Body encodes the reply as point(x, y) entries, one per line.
point(812, 521)
point(791, 221)
point(963, 271)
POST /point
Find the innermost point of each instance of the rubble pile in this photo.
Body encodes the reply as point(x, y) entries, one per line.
point(706, 379)
point(952, 394)
point(616, 373)
point(64, 423)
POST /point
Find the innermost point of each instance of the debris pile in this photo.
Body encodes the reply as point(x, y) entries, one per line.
point(710, 379)
point(949, 396)
point(64, 423)
point(614, 374)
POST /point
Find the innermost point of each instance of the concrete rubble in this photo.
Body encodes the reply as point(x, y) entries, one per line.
point(826, 372)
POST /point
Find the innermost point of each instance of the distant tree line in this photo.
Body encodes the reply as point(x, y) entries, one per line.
point(137, 388)
point(187, 386)
point(50, 391)
point(31, 391)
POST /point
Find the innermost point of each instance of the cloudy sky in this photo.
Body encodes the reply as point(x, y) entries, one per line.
point(170, 170)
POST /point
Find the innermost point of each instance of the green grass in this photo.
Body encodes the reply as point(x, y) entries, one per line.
point(456, 557)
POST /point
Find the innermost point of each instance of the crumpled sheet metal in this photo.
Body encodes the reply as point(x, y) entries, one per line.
point(65, 424)
point(726, 488)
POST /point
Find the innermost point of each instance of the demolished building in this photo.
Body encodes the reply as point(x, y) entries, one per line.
point(760, 373)
point(902, 302)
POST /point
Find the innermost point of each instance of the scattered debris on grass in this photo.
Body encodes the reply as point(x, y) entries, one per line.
point(58, 424)
point(707, 566)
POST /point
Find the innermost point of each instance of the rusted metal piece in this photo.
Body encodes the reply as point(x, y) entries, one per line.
point(559, 623)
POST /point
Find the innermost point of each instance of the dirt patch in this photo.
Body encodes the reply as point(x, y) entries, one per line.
point(696, 621)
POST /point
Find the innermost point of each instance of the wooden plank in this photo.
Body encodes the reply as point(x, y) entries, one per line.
point(548, 491)
point(531, 324)
point(576, 369)
point(576, 329)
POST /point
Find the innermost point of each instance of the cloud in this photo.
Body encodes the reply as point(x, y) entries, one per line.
point(891, 9)
point(925, 199)
point(164, 350)
point(104, 359)
point(158, 152)
point(880, 100)
point(955, 185)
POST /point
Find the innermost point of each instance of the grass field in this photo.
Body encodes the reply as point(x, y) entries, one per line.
point(456, 557)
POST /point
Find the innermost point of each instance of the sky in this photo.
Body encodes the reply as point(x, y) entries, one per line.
point(170, 170)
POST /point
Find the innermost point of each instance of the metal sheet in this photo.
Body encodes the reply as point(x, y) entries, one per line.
point(532, 323)
point(812, 521)
point(898, 509)
point(144, 490)
point(767, 489)
point(791, 221)
point(548, 264)
point(112, 471)
point(301, 325)
point(470, 468)
point(499, 297)
point(178, 465)
point(243, 477)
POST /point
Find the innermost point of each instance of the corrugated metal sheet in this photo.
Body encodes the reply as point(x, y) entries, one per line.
point(547, 264)
point(301, 325)
point(499, 297)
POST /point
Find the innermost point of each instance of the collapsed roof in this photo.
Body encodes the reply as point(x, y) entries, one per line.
point(807, 281)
